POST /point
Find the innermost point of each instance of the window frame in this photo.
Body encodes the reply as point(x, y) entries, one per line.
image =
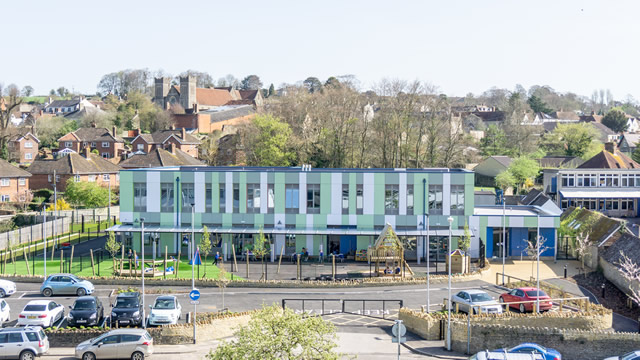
point(139, 199)
point(391, 199)
point(167, 197)
point(313, 198)
point(292, 198)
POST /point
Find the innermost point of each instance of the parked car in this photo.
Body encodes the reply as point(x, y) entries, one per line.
point(526, 294)
point(5, 314)
point(166, 310)
point(501, 355)
point(132, 344)
point(7, 288)
point(24, 343)
point(86, 311)
point(634, 355)
point(66, 284)
point(41, 313)
point(128, 309)
point(531, 348)
point(479, 300)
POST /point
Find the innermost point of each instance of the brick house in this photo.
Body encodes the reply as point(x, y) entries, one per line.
point(163, 139)
point(14, 182)
point(160, 157)
point(23, 148)
point(86, 167)
point(108, 144)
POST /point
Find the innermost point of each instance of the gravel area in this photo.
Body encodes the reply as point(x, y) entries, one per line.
point(614, 298)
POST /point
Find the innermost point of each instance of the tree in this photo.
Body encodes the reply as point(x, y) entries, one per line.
point(27, 91)
point(505, 180)
point(522, 169)
point(494, 141)
point(464, 243)
point(9, 101)
point(332, 82)
point(86, 193)
point(635, 155)
point(615, 120)
point(536, 248)
point(630, 270)
point(62, 91)
point(276, 333)
point(203, 79)
point(260, 249)
point(251, 82)
point(312, 84)
point(52, 92)
point(582, 247)
point(570, 139)
point(272, 91)
point(537, 105)
point(268, 141)
point(60, 204)
point(222, 281)
point(205, 247)
point(112, 246)
point(208, 148)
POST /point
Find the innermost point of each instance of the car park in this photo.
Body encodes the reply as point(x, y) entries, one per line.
point(514, 296)
point(532, 348)
point(132, 344)
point(24, 343)
point(5, 311)
point(66, 284)
point(86, 311)
point(41, 313)
point(166, 310)
point(127, 310)
point(475, 301)
point(634, 355)
point(7, 288)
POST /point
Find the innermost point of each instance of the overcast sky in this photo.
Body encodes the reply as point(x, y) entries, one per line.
point(460, 46)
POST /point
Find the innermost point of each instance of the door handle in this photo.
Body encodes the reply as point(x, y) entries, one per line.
point(19, 344)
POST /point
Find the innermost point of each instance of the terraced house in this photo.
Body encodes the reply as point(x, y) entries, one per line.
point(329, 210)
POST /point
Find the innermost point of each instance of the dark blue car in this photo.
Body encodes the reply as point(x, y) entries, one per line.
point(528, 348)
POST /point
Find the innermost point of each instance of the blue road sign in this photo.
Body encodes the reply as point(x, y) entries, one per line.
point(194, 294)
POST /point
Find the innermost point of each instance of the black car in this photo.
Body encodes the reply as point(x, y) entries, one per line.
point(86, 311)
point(127, 309)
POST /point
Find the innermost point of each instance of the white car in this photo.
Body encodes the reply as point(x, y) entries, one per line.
point(41, 313)
point(634, 355)
point(476, 301)
point(7, 288)
point(4, 311)
point(165, 311)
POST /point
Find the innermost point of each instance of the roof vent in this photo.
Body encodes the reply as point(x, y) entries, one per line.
point(306, 167)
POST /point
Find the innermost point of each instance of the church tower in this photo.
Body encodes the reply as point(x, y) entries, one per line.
point(162, 86)
point(188, 92)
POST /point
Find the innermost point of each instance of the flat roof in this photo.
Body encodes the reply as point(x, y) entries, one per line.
point(600, 194)
point(299, 169)
point(511, 210)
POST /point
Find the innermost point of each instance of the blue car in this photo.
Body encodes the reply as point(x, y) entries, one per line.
point(66, 284)
point(529, 348)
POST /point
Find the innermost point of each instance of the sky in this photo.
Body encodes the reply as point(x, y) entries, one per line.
point(459, 46)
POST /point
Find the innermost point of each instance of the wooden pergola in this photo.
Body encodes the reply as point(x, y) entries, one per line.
point(388, 250)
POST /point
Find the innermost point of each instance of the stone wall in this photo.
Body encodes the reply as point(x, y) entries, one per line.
point(572, 344)
point(612, 274)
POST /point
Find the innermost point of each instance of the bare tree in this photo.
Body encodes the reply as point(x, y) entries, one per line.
point(582, 247)
point(630, 270)
point(9, 101)
point(536, 248)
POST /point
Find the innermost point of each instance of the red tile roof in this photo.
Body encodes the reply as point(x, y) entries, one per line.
point(212, 97)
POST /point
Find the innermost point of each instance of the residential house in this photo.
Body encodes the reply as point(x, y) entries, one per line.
point(160, 157)
point(609, 182)
point(592, 118)
point(14, 183)
point(23, 148)
point(214, 119)
point(487, 170)
point(633, 124)
point(557, 162)
point(164, 138)
point(108, 144)
point(67, 107)
point(628, 142)
point(605, 134)
point(86, 167)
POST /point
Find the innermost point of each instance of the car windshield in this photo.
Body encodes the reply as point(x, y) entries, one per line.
point(35, 308)
point(629, 356)
point(480, 297)
point(42, 334)
point(164, 304)
point(84, 305)
point(534, 293)
point(126, 303)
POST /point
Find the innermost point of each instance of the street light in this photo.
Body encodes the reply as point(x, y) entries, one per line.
point(193, 263)
point(44, 248)
point(538, 264)
point(144, 319)
point(425, 223)
point(504, 232)
point(450, 220)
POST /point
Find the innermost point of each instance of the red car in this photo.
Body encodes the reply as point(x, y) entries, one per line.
point(526, 294)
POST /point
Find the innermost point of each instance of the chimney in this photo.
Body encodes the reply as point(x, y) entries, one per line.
point(610, 147)
point(184, 134)
point(172, 148)
point(195, 108)
point(87, 151)
point(172, 127)
point(114, 131)
point(137, 132)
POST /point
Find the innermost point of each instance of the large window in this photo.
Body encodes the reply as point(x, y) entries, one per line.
point(291, 198)
point(457, 199)
point(435, 199)
point(270, 199)
point(28, 145)
point(253, 198)
point(345, 198)
point(166, 197)
point(223, 198)
point(410, 199)
point(5, 182)
point(391, 196)
point(208, 198)
point(188, 196)
point(140, 197)
point(359, 199)
point(236, 198)
point(568, 180)
point(313, 198)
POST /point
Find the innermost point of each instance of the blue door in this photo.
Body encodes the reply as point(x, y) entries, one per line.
point(489, 242)
point(348, 244)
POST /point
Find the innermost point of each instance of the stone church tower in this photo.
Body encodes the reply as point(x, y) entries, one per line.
point(188, 92)
point(162, 86)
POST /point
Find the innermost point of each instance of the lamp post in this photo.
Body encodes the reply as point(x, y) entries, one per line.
point(504, 232)
point(538, 264)
point(44, 248)
point(144, 319)
point(450, 220)
point(425, 224)
point(193, 263)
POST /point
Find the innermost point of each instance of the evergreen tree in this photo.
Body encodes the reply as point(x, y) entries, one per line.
point(494, 142)
point(537, 105)
point(272, 91)
point(615, 120)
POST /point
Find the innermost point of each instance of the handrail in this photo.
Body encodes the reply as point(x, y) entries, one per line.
point(583, 303)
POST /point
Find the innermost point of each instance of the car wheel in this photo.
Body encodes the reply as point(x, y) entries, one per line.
point(2, 293)
point(81, 292)
point(522, 308)
point(27, 355)
point(137, 356)
point(88, 356)
point(47, 292)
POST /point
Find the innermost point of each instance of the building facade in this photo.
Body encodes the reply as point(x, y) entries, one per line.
point(23, 149)
point(108, 144)
point(329, 210)
point(14, 183)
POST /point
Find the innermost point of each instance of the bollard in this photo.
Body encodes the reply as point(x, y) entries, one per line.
point(602, 290)
point(565, 271)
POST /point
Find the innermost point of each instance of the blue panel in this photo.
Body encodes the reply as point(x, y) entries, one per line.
point(550, 241)
point(554, 184)
point(518, 238)
point(348, 244)
point(489, 242)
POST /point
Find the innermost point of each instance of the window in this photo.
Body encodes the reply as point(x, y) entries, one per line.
point(32, 336)
point(105, 144)
point(28, 156)
point(435, 199)
point(457, 199)
point(5, 182)
point(105, 177)
point(568, 180)
point(253, 198)
point(345, 198)
point(92, 178)
point(130, 338)
point(140, 197)
point(166, 197)
point(77, 178)
point(22, 181)
point(270, 199)
point(105, 155)
point(15, 337)
point(391, 195)
point(113, 339)
point(223, 199)
point(188, 196)
point(236, 198)
point(68, 144)
point(409, 199)
point(58, 178)
point(93, 144)
point(313, 198)
point(140, 147)
point(28, 145)
point(49, 177)
point(84, 144)
point(291, 198)
point(359, 199)
point(208, 198)
point(5, 198)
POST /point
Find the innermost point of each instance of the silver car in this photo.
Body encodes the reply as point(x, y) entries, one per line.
point(66, 284)
point(24, 343)
point(476, 301)
point(132, 344)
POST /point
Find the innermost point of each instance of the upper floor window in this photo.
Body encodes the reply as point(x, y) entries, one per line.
point(77, 178)
point(188, 196)
point(313, 198)
point(409, 199)
point(391, 196)
point(435, 199)
point(92, 178)
point(236, 198)
point(359, 199)
point(270, 199)
point(457, 199)
point(253, 198)
point(586, 180)
point(5, 181)
point(93, 144)
point(208, 198)
point(105, 177)
point(22, 181)
point(49, 178)
point(166, 197)
point(223, 198)
point(345, 198)
point(291, 198)
point(28, 145)
point(105, 144)
point(68, 144)
point(58, 178)
point(140, 147)
point(140, 197)
point(568, 180)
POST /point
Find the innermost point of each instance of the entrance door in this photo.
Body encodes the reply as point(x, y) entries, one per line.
point(333, 244)
point(348, 244)
point(497, 243)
